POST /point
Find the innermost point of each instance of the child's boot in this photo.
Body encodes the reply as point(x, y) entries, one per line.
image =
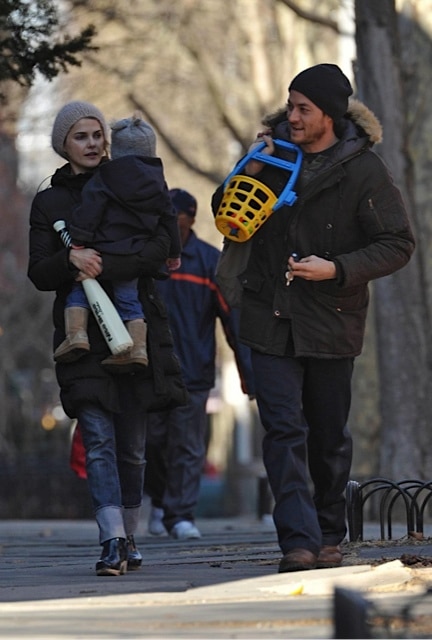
point(137, 357)
point(76, 343)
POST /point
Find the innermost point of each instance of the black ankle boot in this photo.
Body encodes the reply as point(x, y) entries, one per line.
point(134, 558)
point(113, 560)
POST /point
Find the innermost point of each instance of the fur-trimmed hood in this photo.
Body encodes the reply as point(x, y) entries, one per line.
point(364, 121)
point(363, 117)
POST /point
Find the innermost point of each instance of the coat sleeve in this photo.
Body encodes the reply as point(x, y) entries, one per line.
point(384, 220)
point(87, 216)
point(49, 267)
point(168, 220)
point(230, 319)
point(170, 223)
point(146, 263)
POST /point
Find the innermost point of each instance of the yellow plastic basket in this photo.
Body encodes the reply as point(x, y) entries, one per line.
point(246, 205)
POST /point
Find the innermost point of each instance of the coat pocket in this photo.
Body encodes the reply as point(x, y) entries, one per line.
point(252, 282)
point(348, 300)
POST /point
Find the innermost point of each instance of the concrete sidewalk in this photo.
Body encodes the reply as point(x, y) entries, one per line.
point(224, 585)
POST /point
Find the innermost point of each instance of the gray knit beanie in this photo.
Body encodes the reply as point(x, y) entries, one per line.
point(132, 136)
point(68, 116)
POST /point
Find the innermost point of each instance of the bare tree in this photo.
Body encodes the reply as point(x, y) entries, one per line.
point(204, 73)
point(403, 326)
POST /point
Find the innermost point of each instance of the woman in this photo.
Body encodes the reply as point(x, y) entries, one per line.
point(111, 409)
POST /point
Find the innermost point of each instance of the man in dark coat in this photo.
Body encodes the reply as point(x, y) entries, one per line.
point(304, 318)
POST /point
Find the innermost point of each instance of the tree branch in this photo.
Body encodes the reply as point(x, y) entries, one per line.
point(313, 17)
point(213, 176)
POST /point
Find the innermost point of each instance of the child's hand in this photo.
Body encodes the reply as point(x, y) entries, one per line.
point(173, 264)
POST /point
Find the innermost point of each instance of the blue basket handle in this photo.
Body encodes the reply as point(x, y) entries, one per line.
point(288, 195)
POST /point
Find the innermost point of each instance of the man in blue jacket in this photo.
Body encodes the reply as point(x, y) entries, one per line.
point(176, 440)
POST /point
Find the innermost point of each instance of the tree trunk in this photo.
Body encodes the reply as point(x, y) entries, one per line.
point(400, 302)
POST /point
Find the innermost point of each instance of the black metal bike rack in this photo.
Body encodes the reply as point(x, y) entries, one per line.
point(413, 495)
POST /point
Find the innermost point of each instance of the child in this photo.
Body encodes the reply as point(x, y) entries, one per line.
point(122, 205)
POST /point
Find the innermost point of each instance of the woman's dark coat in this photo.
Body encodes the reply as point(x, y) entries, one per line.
point(348, 211)
point(160, 385)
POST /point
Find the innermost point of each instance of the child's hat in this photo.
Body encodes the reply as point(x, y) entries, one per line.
point(132, 136)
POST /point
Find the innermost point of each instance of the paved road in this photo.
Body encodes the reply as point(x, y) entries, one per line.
point(224, 585)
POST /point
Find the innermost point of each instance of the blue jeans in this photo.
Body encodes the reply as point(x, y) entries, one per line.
point(176, 449)
point(125, 299)
point(115, 463)
point(304, 405)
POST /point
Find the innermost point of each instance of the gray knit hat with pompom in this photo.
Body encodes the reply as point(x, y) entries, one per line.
point(68, 116)
point(132, 136)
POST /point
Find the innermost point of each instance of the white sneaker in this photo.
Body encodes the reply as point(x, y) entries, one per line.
point(155, 524)
point(185, 530)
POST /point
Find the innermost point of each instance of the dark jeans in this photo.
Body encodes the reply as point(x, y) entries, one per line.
point(304, 405)
point(126, 299)
point(175, 452)
point(115, 455)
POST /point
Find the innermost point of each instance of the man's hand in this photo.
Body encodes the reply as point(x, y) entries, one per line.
point(254, 166)
point(88, 261)
point(312, 268)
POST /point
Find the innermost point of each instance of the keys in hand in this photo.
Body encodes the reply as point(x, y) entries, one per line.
point(289, 276)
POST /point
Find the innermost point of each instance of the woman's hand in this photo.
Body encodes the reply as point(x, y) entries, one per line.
point(88, 261)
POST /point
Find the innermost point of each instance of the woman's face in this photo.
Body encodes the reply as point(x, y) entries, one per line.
point(85, 145)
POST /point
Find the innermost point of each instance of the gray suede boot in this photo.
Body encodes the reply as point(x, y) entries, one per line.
point(76, 343)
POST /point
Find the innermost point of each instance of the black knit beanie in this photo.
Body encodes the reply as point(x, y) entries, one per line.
point(326, 86)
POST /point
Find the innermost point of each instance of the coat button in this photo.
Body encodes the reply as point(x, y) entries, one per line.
point(329, 225)
point(277, 313)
